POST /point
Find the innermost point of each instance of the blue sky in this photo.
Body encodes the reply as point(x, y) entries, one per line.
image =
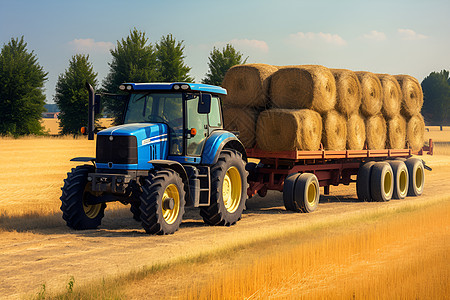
point(395, 37)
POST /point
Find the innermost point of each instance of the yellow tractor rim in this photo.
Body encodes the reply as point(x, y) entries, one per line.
point(232, 189)
point(171, 215)
point(312, 194)
point(91, 210)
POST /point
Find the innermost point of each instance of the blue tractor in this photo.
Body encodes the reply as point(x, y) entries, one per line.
point(170, 152)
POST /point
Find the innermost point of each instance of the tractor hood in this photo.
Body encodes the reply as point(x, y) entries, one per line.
point(131, 146)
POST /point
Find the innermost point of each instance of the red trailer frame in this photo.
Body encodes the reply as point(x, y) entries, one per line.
point(330, 167)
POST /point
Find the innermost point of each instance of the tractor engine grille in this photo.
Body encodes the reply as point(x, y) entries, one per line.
point(116, 149)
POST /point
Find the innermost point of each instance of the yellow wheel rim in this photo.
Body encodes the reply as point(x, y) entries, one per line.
point(403, 182)
point(419, 178)
point(311, 194)
point(91, 210)
point(171, 215)
point(232, 190)
point(387, 183)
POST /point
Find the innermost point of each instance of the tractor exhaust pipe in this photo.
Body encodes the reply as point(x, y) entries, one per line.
point(91, 115)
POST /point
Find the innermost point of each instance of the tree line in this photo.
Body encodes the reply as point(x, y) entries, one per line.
point(134, 59)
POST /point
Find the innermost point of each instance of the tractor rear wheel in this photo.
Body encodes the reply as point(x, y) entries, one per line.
point(76, 194)
point(135, 210)
point(162, 202)
point(228, 190)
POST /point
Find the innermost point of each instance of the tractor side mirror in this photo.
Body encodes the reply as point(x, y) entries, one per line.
point(204, 104)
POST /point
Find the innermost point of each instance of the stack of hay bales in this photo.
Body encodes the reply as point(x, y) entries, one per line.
point(302, 107)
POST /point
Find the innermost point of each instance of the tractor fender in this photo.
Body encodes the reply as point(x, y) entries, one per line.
point(217, 141)
point(177, 167)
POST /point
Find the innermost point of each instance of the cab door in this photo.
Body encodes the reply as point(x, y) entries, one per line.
point(200, 123)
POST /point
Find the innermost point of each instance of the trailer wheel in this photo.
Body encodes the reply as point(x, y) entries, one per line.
point(76, 191)
point(381, 182)
point(363, 181)
point(162, 202)
point(288, 192)
point(401, 180)
point(307, 193)
point(416, 176)
point(228, 190)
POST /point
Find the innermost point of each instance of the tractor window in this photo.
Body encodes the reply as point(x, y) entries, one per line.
point(215, 119)
point(199, 122)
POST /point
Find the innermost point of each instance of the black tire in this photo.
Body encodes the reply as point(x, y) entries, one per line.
point(157, 189)
point(229, 178)
point(288, 192)
point(135, 210)
point(77, 214)
point(416, 176)
point(381, 182)
point(307, 193)
point(401, 179)
point(363, 182)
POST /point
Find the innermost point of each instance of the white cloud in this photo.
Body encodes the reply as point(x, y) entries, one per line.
point(245, 44)
point(90, 45)
point(409, 34)
point(375, 36)
point(308, 37)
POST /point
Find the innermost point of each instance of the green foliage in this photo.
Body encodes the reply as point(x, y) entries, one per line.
point(170, 60)
point(133, 60)
point(71, 94)
point(436, 105)
point(220, 62)
point(22, 97)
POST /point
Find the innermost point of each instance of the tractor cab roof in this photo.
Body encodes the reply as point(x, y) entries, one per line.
point(176, 87)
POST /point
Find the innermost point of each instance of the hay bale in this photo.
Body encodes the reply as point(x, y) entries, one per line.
point(375, 132)
point(334, 133)
point(248, 85)
point(300, 87)
point(356, 132)
point(392, 96)
point(396, 133)
point(415, 131)
point(371, 96)
point(412, 95)
point(287, 129)
point(348, 91)
point(243, 120)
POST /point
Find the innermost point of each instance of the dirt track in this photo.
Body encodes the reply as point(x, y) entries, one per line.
point(51, 256)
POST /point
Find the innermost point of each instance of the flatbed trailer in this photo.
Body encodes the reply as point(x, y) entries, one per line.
point(381, 174)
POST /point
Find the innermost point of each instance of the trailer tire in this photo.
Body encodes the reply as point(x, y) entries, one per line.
point(77, 214)
point(288, 192)
point(162, 202)
point(416, 176)
point(363, 182)
point(381, 182)
point(401, 179)
point(228, 190)
point(307, 193)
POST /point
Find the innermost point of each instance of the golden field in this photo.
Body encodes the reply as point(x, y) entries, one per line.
point(386, 254)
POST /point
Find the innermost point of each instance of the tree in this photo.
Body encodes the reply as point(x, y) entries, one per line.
point(436, 105)
point(22, 96)
point(134, 60)
point(71, 94)
point(220, 62)
point(170, 56)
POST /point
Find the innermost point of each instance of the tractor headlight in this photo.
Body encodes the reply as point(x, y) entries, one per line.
point(185, 87)
point(129, 87)
point(176, 87)
point(122, 87)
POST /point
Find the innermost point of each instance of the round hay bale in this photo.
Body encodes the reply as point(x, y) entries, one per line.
point(356, 132)
point(415, 131)
point(348, 91)
point(288, 129)
point(371, 96)
point(376, 132)
point(334, 133)
point(396, 133)
point(243, 120)
point(300, 87)
point(248, 85)
point(392, 96)
point(412, 95)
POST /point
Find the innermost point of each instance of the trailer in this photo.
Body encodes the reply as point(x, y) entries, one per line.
point(380, 174)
